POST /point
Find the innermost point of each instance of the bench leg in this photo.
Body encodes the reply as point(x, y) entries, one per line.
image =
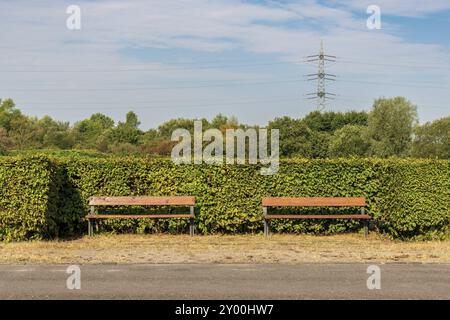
point(366, 228)
point(366, 223)
point(91, 223)
point(90, 228)
point(191, 227)
point(266, 228)
point(266, 223)
point(191, 222)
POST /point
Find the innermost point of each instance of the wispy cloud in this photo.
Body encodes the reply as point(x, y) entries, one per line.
point(407, 8)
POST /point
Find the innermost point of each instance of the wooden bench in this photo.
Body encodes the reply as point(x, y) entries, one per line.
point(95, 202)
point(315, 202)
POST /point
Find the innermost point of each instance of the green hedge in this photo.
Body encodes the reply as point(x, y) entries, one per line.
point(28, 189)
point(407, 198)
point(416, 201)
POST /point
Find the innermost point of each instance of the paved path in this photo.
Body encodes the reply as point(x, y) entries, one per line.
point(231, 281)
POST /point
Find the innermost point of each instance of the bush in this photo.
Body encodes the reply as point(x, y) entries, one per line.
point(407, 198)
point(349, 141)
point(416, 200)
point(27, 198)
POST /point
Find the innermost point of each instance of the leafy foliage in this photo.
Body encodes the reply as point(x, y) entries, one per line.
point(390, 127)
point(417, 202)
point(432, 140)
point(43, 196)
point(28, 197)
point(385, 131)
point(350, 140)
point(332, 121)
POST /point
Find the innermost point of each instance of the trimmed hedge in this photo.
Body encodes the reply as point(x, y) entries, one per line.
point(408, 198)
point(416, 201)
point(28, 191)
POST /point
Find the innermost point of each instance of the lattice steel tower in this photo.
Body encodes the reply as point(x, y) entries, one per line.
point(321, 95)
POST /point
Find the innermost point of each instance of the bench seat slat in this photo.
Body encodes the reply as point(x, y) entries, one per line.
point(317, 216)
point(314, 202)
point(142, 201)
point(136, 216)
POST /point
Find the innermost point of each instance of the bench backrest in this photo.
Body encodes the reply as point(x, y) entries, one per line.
point(142, 201)
point(314, 202)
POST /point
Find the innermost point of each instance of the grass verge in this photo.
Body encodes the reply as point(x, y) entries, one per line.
point(224, 249)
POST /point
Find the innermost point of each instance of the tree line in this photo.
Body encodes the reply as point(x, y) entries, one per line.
point(390, 128)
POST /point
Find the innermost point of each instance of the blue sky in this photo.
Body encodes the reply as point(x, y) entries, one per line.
point(192, 58)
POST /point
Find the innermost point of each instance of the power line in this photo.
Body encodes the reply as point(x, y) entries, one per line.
point(173, 63)
point(211, 100)
point(156, 88)
point(257, 80)
point(196, 105)
point(418, 105)
point(416, 85)
point(109, 70)
point(193, 65)
point(209, 81)
point(395, 65)
point(231, 82)
point(169, 103)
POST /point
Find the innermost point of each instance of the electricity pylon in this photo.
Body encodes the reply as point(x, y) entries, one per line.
point(321, 95)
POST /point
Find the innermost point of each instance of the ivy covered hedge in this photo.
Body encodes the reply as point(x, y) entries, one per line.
point(407, 198)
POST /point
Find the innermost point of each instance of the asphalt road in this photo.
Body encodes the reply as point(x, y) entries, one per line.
point(226, 281)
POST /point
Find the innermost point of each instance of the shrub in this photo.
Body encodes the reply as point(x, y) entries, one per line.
point(416, 200)
point(27, 198)
point(408, 198)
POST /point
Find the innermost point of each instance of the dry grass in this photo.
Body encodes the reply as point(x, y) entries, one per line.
point(224, 249)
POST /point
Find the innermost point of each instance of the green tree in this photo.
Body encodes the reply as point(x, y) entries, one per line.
point(165, 129)
point(350, 140)
point(432, 140)
point(55, 134)
point(331, 121)
point(222, 122)
point(390, 127)
point(93, 132)
point(8, 113)
point(25, 133)
point(132, 120)
point(128, 131)
point(319, 144)
point(295, 137)
point(5, 141)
